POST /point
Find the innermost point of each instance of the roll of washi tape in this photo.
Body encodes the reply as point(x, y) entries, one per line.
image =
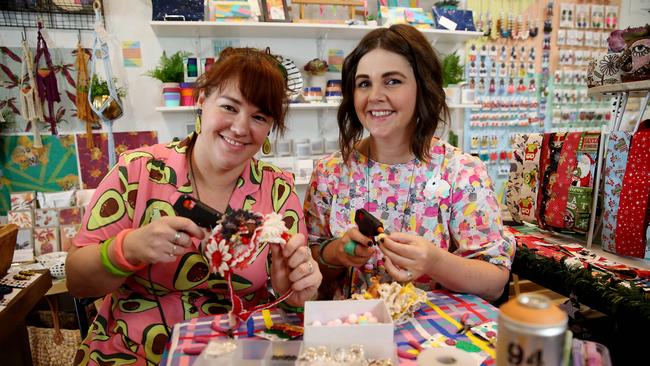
point(446, 356)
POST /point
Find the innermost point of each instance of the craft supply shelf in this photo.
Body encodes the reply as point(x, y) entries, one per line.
point(442, 39)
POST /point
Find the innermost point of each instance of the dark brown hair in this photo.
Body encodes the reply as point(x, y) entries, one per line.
point(258, 74)
point(430, 107)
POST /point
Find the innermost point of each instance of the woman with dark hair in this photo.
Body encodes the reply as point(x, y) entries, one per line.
point(436, 203)
point(133, 247)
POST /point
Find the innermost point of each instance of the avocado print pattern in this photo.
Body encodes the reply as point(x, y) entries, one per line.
point(191, 271)
point(141, 188)
point(108, 210)
point(257, 170)
point(122, 328)
point(136, 303)
point(160, 173)
point(130, 191)
point(281, 192)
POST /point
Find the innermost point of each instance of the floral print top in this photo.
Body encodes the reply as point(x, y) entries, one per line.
point(448, 201)
point(143, 185)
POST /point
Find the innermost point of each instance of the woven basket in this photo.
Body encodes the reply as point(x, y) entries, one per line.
point(8, 235)
point(53, 346)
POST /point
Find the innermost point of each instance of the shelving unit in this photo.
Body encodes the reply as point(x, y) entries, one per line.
point(443, 41)
point(294, 30)
point(302, 106)
point(636, 89)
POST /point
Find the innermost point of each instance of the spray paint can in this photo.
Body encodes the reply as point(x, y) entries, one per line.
point(531, 332)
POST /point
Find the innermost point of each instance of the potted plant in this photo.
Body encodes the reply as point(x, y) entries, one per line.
point(452, 76)
point(100, 94)
point(316, 69)
point(170, 72)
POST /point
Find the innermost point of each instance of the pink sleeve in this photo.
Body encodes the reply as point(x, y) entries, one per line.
point(109, 211)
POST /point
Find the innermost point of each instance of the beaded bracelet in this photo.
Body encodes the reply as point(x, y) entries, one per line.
point(106, 261)
point(321, 260)
point(118, 251)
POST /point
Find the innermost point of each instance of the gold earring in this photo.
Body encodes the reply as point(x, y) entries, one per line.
point(197, 122)
point(266, 146)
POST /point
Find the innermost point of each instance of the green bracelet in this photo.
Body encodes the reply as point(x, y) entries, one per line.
point(292, 309)
point(106, 261)
point(321, 260)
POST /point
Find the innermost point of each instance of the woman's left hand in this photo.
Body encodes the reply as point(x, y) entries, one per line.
point(293, 268)
point(407, 256)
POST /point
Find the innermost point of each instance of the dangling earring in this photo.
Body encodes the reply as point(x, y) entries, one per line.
point(266, 146)
point(197, 122)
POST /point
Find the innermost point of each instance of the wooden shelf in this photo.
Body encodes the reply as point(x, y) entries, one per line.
point(463, 106)
point(300, 106)
point(175, 109)
point(290, 30)
point(636, 88)
point(296, 106)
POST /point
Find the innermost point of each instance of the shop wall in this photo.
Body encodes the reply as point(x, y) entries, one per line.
point(129, 21)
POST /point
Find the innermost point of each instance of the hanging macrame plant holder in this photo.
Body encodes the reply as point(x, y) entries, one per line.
point(31, 106)
point(48, 89)
point(107, 107)
point(84, 112)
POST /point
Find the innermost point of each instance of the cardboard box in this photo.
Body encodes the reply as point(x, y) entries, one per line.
point(377, 339)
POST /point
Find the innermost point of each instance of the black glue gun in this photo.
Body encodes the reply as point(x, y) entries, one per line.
point(200, 213)
point(369, 225)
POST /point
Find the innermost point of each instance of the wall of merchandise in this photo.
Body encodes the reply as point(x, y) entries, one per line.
point(528, 73)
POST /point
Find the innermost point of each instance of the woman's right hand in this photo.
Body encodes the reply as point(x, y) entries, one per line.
point(161, 240)
point(334, 253)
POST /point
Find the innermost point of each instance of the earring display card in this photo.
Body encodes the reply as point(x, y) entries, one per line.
point(22, 200)
point(70, 216)
point(597, 16)
point(611, 16)
point(566, 15)
point(46, 240)
point(23, 219)
point(582, 16)
point(46, 217)
point(561, 37)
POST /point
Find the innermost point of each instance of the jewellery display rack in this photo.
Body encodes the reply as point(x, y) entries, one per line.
point(54, 14)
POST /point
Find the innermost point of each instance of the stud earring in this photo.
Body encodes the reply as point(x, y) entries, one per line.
point(197, 121)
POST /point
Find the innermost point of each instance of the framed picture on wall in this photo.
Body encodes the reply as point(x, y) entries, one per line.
point(275, 11)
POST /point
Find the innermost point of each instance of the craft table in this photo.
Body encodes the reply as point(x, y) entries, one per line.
point(13, 331)
point(438, 318)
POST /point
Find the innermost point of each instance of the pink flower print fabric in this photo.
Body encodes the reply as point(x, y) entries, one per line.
point(450, 202)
